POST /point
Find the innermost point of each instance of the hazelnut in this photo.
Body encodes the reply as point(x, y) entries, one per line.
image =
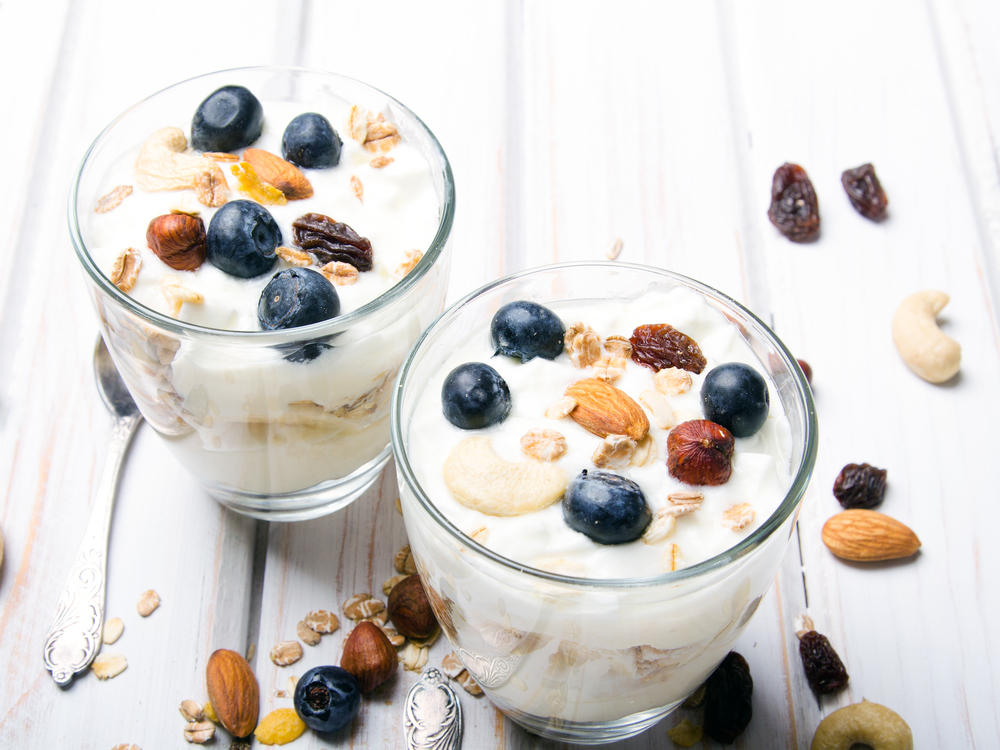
point(409, 609)
point(700, 452)
point(178, 240)
point(369, 656)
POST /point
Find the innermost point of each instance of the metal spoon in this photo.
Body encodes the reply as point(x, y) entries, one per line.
point(75, 635)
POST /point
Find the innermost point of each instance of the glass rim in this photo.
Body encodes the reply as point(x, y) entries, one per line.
point(325, 328)
point(791, 501)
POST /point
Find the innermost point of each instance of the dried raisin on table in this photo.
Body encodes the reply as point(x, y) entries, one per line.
point(728, 691)
point(794, 206)
point(659, 346)
point(860, 486)
point(865, 191)
point(824, 669)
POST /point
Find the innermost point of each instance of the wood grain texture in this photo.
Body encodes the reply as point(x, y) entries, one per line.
point(567, 125)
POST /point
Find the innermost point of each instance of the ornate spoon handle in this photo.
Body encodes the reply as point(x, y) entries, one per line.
point(75, 634)
point(433, 715)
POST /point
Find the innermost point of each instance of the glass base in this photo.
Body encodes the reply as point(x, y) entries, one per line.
point(312, 502)
point(590, 733)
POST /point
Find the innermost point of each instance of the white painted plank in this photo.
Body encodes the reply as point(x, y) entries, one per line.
point(860, 92)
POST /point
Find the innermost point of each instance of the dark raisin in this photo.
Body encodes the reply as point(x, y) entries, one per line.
point(331, 240)
point(824, 669)
point(860, 486)
point(658, 346)
point(794, 206)
point(728, 708)
point(865, 191)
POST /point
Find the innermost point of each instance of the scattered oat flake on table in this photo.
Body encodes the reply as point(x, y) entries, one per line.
point(191, 711)
point(390, 584)
point(199, 732)
point(451, 665)
point(107, 666)
point(322, 622)
point(113, 199)
point(126, 747)
point(113, 630)
point(403, 561)
point(148, 602)
point(615, 248)
point(309, 636)
point(466, 681)
point(286, 652)
point(362, 607)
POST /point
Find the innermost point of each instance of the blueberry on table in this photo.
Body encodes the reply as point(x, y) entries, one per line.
point(242, 238)
point(296, 297)
point(606, 507)
point(310, 141)
point(474, 396)
point(735, 396)
point(527, 330)
point(228, 119)
point(327, 698)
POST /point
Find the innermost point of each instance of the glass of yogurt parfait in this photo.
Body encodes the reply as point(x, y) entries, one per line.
point(592, 538)
point(263, 246)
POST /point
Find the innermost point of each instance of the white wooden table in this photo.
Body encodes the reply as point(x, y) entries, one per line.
point(568, 124)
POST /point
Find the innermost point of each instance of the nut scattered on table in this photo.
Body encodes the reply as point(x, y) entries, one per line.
point(113, 630)
point(410, 610)
point(369, 656)
point(199, 732)
point(286, 652)
point(107, 666)
point(868, 536)
point(233, 692)
point(925, 348)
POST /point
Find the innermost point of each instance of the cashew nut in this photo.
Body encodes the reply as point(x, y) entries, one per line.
point(481, 480)
point(163, 165)
point(926, 350)
point(863, 723)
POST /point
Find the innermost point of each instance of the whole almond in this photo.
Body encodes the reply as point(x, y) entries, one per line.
point(233, 692)
point(178, 240)
point(279, 173)
point(369, 656)
point(605, 410)
point(868, 536)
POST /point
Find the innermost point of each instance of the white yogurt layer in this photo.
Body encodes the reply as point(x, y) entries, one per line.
point(761, 465)
point(237, 413)
point(398, 212)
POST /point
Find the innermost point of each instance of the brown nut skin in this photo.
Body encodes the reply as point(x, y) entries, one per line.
point(410, 610)
point(700, 452)
point(178, 240)
point(233, 692)
point(369, 656)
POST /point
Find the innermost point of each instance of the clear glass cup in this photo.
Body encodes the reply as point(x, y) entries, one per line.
point(583, 660)
point(266, 436)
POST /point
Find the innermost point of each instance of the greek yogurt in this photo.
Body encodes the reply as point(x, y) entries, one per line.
point(282, 424)
point(761, 466)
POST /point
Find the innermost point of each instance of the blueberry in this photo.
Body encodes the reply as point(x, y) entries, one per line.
point(735, 396)
point(296, 297)
point(310, 141)
point(327, 698)
point(475, 396)
point(242, 238)
point(228, 119)
point(527, 330)
point(608, 508)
